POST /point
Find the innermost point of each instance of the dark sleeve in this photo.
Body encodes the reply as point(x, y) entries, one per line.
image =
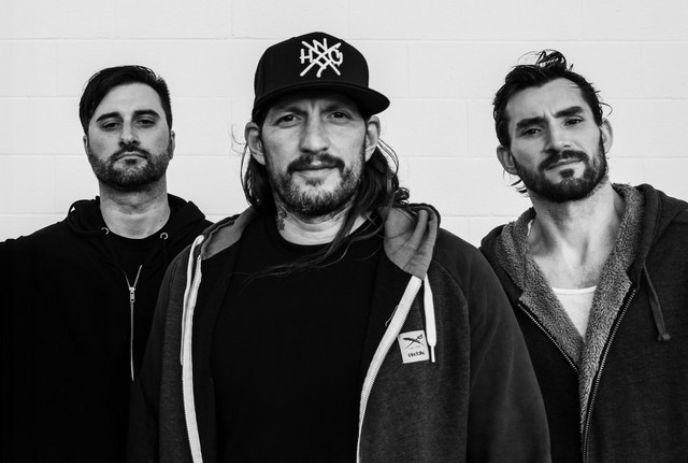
point(507, 420)
point(6, 379)
point(144, 409)
point(16, 349)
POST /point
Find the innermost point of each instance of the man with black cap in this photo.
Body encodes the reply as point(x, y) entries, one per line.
point(332, 321)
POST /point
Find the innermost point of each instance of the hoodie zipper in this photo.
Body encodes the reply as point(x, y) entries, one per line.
point(132, 302)
point(549, 336)
point(394, 327)
point(596, 383)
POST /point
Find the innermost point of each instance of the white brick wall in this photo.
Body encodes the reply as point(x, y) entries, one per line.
point(440, 61)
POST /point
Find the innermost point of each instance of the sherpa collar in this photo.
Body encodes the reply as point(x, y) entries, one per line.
point(614, 283)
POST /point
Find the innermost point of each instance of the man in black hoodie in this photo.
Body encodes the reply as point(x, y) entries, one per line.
point(78, 296)
point(597, 274)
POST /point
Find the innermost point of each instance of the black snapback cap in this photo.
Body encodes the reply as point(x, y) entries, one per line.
point(311, 62)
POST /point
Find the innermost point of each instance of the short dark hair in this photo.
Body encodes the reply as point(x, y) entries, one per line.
point(549, 65)
point(100, 84)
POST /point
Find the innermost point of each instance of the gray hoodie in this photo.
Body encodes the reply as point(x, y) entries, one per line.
point(472, 397)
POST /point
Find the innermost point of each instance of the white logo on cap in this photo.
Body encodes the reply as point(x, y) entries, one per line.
point(319, 54)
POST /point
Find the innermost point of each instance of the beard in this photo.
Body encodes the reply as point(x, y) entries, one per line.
point(568, 188)
point(309, 201)
point(134, 177)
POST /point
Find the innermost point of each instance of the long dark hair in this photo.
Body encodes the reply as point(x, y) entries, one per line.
point(378, 191)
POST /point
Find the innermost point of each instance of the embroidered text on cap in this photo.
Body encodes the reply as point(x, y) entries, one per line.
point(319, 54)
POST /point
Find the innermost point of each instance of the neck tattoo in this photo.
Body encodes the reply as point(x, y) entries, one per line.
point(281, 215)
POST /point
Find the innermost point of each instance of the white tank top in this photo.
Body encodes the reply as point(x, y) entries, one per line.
point(577, 303)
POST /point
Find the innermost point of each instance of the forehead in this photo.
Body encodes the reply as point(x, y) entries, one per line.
point(550, 98)
point(128, 98)
point(313, 99)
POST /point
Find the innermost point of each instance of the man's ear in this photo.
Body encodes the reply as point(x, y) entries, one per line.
point(372, 136)
point(173, 144)
point(506, 159)
point(255, 144)
point(607, 135)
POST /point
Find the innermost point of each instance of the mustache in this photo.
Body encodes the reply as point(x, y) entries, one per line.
point(130, 149)
point(558, 156)
point(306, 161)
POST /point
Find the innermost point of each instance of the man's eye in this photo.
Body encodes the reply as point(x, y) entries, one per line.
point(286, 119)
point(574, 121)
point(340, 115)
point(109, 125)
point(530, 132)
point(146, 122)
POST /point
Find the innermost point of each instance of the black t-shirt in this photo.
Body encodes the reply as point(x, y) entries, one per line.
point(288, 350)
point(130, 253)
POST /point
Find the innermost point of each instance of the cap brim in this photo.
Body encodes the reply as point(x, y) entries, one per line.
point(368, 100)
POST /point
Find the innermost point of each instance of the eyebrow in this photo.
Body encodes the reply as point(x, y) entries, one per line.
point(340, 105)
point(566, 112)
point(290, 108)
point(138, 113)
point(572, 111)
point(295, 108)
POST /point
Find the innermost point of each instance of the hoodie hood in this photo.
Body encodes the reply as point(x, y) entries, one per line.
point(660, 211)
point(410, 235)
point(84, 219)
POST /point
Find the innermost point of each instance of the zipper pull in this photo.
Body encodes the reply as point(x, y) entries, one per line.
point(132, 294)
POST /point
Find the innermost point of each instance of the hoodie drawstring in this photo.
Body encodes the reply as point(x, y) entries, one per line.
point(190, 290)
point(429, 310)
point(193, 281)
point(656, 308)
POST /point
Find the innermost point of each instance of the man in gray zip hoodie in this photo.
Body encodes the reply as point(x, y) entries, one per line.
point(332, 321)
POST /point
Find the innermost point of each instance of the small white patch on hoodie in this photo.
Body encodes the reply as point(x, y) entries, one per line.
point(413, 346)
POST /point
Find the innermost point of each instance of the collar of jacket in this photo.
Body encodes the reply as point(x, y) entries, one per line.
point(410, 235)
point(611, 291)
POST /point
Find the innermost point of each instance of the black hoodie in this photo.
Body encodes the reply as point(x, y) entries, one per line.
point(66, 333)
point(620, 395)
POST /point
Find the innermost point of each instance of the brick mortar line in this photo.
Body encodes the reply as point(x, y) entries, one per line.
point(419, 40)
point(409, 98)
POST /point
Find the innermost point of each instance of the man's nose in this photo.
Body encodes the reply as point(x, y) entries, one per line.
point(128, 135)
point(557, 139)
point(314, 138)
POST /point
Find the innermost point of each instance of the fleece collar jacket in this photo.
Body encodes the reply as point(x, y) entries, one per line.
point(474, 398)
point(611, 396)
